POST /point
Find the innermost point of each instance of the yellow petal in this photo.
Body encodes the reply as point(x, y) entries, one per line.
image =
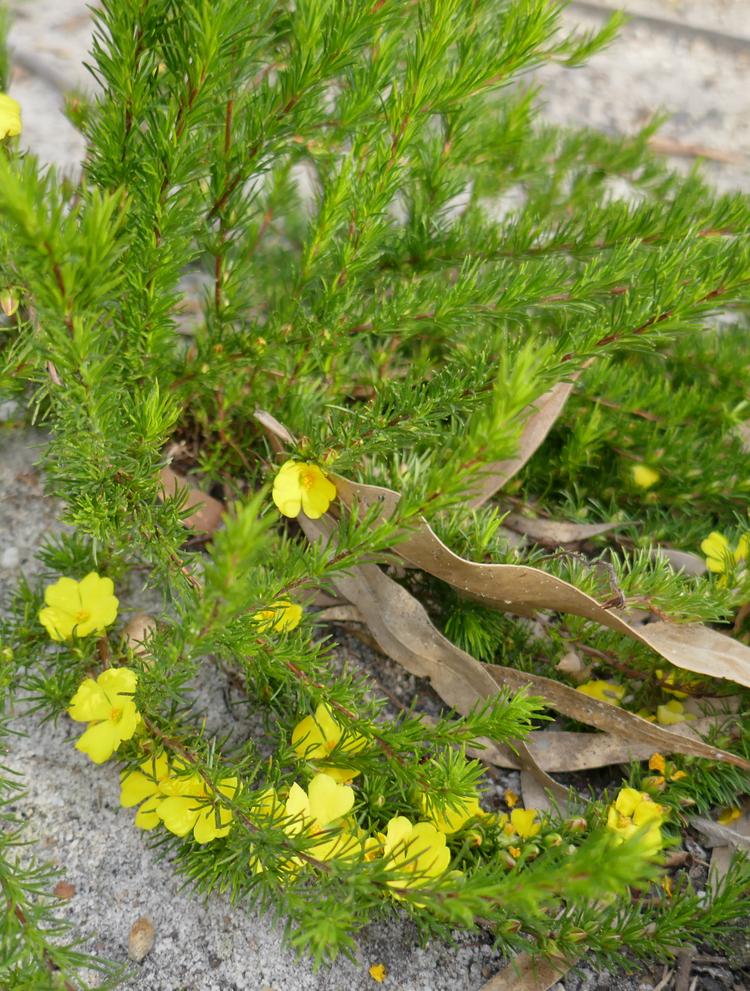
point(89, 703)
point(647, 811)
point(329, 800)
point(398, 830)
point(64, 595)
point(308, 740)
point(58, 624)
point(134, 787)
point(718, 552)
point(207, 827)
point(99, 741)
point(523, 822)
point(728, 816)
point(118, 682)
point(296, 810)
point(604, 691)
point(627, 801)
point(671, 713)
point(742, 551)
point(147, 816)
point(644, 477)
point(179, 813)
point(287, 492)
point(10, 116)
point(317, 491)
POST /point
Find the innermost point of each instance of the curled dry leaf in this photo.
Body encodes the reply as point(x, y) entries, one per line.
point(206, 511)
point(541, 417)
point(402, 629)
point(717, 835)
point(691, 564)
point(523, 590)
point(722, 855)
point(552, 533)
point(527, 973)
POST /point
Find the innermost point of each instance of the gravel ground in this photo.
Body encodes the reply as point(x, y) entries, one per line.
point(690, 57)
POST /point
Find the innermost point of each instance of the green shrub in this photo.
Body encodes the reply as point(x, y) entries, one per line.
point(347, 215)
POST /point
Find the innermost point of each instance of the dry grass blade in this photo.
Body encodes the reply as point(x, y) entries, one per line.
point(523, 590)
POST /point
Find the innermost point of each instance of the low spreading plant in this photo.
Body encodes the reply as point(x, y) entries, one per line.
point(324, 260)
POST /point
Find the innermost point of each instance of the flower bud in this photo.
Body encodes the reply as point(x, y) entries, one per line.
point(553, 839)
point(576, 825)
point(9, 302)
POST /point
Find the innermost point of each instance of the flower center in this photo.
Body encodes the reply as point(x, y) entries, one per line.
point(82, 615)
point(115, 715)
point(330, 745)
point(307, 479)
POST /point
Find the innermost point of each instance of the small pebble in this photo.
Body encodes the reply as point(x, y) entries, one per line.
point(64, 889)
point(141, 939)
point(10, 557)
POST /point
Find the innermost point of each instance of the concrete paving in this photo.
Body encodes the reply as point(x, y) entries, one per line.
point(690, 57)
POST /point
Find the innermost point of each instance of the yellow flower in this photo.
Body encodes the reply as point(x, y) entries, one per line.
point(316, 737)
point(319, 811)
point(304, 486)
point(511, 798)
point(523, 823)
point(657, 763)
point(283, 616)
point(146, 786)
point(633, 811)
point(604, 691)
point(728, 816)
point(671, 713)
point(644, 477)
point(78, 608)
point(720, 555)
point(192, 807)
point(417, 851)
point(451, 820)
point(10, 116)
point(378, 972)
point(107, 706)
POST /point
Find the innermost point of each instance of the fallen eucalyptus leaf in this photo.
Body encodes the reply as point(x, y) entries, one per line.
point(523, 590)
point(207, 511)
point(534, 795)
point(402, 629)
point(718, 835)
point(527, 973)
point(691, 564)
point(543, 414)
point(722, 856)
point(553, 533)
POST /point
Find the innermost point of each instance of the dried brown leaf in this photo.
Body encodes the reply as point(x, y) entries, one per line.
point(207, 511)
point(542, 416)
point(526, 973)
point(402, 629)
point(553, 533)
point(523, 590)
